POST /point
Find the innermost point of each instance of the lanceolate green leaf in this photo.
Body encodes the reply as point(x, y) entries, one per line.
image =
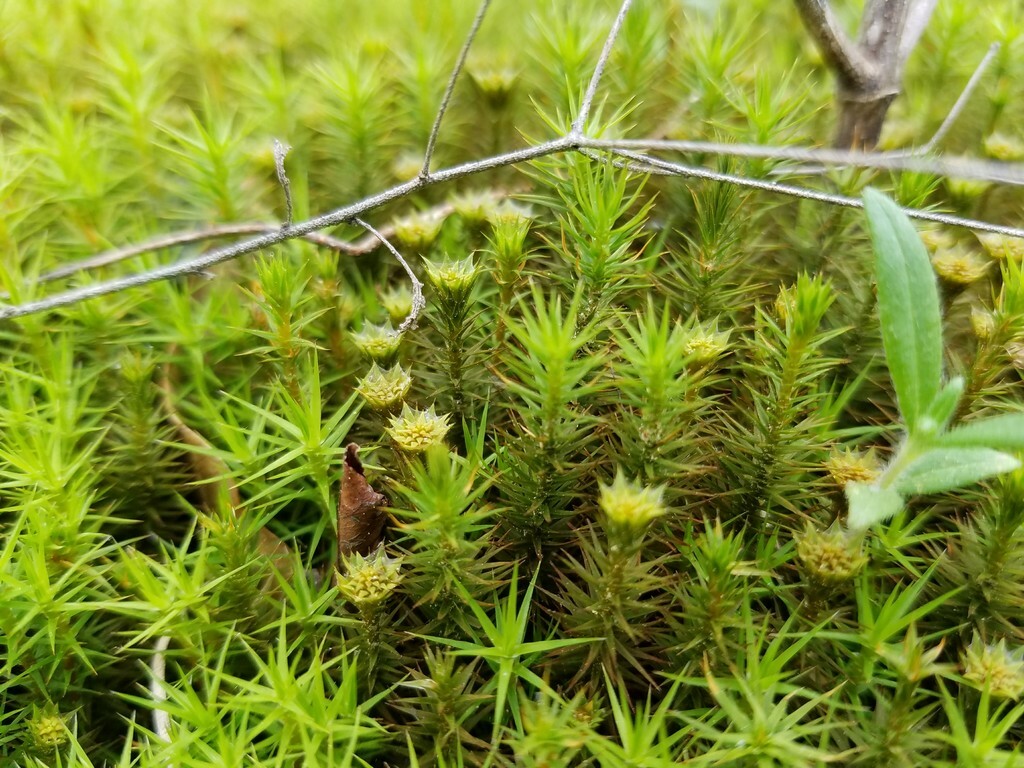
point(1005, 432)
point(908, 307)
point(943, 407)
point(943, 469)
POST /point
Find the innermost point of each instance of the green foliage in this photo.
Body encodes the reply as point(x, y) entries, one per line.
point(652, 498)
point(930, 459)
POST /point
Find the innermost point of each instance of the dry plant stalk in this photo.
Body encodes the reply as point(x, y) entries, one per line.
point(211, 477)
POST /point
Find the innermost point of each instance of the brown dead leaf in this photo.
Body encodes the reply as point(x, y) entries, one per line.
point(360, 514)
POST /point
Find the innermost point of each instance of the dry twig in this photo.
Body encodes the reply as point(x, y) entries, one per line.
point(623, 150)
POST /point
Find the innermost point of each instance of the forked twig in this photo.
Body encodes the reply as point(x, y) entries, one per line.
point(836, 46)
point(459, 64)
point(575, 140)
point(343, 215)
point(646, 164)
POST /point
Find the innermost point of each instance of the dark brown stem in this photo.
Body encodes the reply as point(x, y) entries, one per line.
point(870, 73)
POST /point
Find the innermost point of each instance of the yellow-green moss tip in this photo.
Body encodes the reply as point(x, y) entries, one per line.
point(845, 466)
point(415, 431)
point(705, 344)
point(384, 389)
point(475, 207)
point(999, 146)
point(966, 190)
point(495, 84)
point(983, 323)
point(631, 505)
point(47, 730)
point(829, 557)
point(996, 668)
point(418, 232)
point(369, 580)
point(407, 166)
point(452, 277)
point(378, 342)
point(959, 266)
point(1002, 246)
point(397, 302)
point(937, 239)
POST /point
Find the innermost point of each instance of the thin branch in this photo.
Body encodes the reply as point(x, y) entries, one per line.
point(459, 64)
point(116, 255)
point(646, 164)
point(273, 237)
point(360, 247)
point(588, 98)
point(881, 29)
point(961, 102)
point(350, 212)
point(835, 45)
point(918, 16)
point(418, 302)
point(280, 152)
point(985, 170)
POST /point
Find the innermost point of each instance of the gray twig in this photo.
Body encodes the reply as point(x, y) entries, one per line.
point(280, 152)
point(833, 42)
point(965, 168)
point(961, 102)
point(273, 237)
point(116, 255)
point(595, 79)
point(418, 302)
point(459, 64)
point(360, 247)
point(646, 164)
point(350, 212)
point(918, 15)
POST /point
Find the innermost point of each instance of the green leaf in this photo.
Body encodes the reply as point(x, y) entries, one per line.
point(869, 504)
point(1005, 432)
point(908, 307)
point(943, 407)
point(943, 469)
